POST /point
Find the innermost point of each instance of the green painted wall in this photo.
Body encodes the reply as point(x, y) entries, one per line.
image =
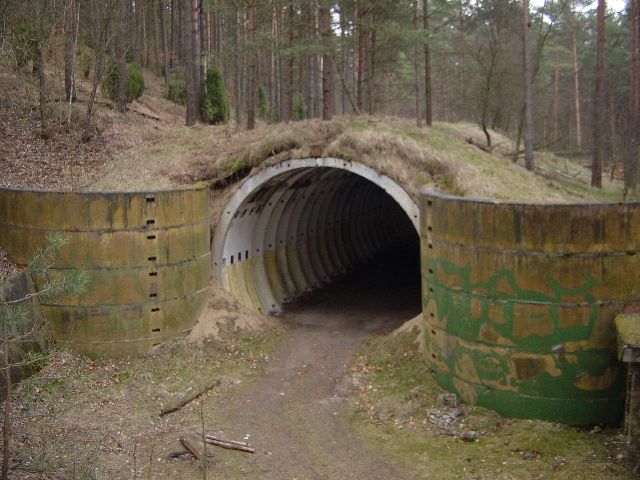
point(519, 302)
point(147, 255)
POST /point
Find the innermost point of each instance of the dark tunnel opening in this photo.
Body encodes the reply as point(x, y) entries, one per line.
point(323, 230)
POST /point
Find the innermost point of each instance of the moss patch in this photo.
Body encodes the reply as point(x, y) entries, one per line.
point(396, 407)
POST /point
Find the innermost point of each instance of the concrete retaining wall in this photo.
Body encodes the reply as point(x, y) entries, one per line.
point(519, 302)
point(147, 255)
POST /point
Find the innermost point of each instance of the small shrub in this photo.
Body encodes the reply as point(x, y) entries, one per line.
point(24, 43)
point(135, 81)
point(300, 110)
point(215, 106)
point(263, 104)
point(176, 90)
point(85, 60)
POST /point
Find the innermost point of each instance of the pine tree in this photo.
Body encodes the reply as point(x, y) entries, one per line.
point(215, 106)
point(263, 104)
point(300, 110)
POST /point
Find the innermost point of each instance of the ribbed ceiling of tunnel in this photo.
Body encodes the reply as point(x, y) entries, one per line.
point(302, 229)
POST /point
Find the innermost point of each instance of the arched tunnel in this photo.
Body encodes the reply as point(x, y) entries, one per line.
point(300, 226)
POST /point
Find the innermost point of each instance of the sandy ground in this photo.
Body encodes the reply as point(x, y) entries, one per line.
point(295, 413)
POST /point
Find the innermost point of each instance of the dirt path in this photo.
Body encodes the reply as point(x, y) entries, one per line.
point(294, 415)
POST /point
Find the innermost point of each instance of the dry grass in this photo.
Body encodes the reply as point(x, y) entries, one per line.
point(138, 152)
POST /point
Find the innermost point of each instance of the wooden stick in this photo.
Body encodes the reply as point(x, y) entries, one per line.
point(192, 450)
point(189, 398)
point(230, 446)
point(234, 442)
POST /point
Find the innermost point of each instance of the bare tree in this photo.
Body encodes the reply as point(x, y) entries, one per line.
point(251, 68)
point(600, 103)
point(528, 82)
point(428, 100)
point(121, 26)
point(416, 63)
point(188, 55)
point(71, 21)
point(104, 13)
point(632, 166)
point(328, 95)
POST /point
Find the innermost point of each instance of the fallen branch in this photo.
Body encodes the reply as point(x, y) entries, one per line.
point(192, 450)
point(189, 398)
point(234, 442)
point(230, 446)
point(484, 148)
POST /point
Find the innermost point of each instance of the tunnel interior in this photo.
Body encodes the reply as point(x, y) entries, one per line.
point(314, 230)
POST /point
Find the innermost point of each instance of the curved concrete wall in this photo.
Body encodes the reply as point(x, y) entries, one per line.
point(147, 255)
point(519, 302)
point(297, 225)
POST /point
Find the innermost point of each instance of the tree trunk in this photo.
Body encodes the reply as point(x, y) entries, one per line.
point(188, 54)
point(600, 103)
point(40, 68)
point(528, 82)
point(6, 423)
point(632, 166)
point(427, 68)
point(361, 35)
point(287, 95)
point(163, 32)
point(70, 40)
point(195, 53)
point(121, 103)
point(174, 35)
point(555, 100)
point(416, 64)
point(251, 70)
point(461, 64)
point(576, 86)
point(237, 69)
point(105, 20)
point(204, 35)
point(328, 96)
point(370, 75)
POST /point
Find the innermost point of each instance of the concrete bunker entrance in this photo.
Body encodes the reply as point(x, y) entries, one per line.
point(322, 225)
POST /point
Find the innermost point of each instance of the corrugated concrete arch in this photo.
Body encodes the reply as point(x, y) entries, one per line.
point(295, 226)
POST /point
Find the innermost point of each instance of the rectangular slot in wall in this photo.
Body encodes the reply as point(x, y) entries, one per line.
point(151, 199)
point(155, 309)
point(152, 259)
point(155, 330)
point(153, 274)
point(151, 237)
point(150, 222)
point(153, 295)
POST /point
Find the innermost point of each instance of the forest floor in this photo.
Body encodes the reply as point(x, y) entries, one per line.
point(331, 394)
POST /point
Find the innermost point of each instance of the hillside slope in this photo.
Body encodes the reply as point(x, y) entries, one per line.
point(150, 148)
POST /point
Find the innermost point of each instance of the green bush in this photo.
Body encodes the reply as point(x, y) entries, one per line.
point(300, 111)
point(263, 104)
point(215, 107)
point(85, 60)
point(176, 90)
point(135, 81)
point(24, 43)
